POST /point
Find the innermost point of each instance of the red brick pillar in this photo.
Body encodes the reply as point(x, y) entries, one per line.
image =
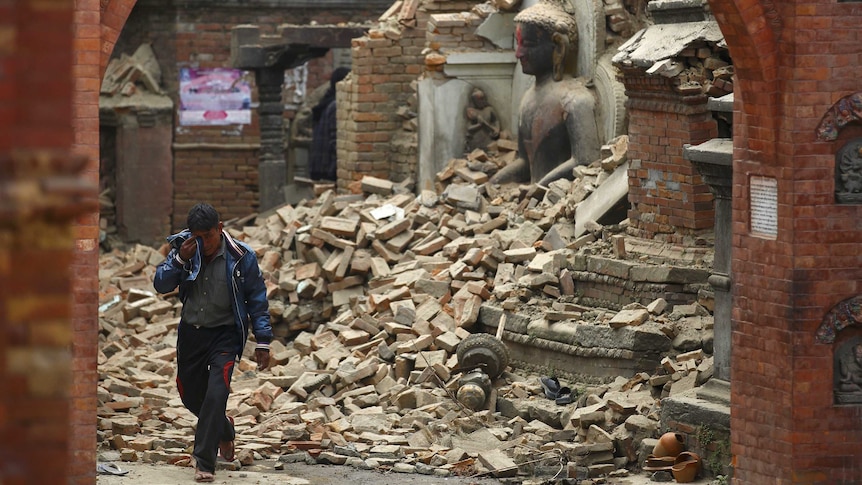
point(668, 198)
point(95, 27)
point(87, 69)
point(367, 104)
point(46, 202)
point(793, 61)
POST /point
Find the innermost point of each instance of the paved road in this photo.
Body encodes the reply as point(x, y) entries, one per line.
point(293, 474)
point(302, 474)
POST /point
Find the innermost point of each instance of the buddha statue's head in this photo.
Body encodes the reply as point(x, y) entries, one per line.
point(546, 34)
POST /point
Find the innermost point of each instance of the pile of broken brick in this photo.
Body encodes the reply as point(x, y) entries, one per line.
point(370, 295)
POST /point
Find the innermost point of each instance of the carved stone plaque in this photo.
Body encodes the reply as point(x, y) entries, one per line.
point(764, 206)
point(848, 173)
point(847, 373)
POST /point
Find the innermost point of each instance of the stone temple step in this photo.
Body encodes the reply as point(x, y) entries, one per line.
point(592, 353)
point(723, 104)
point(717, 151)
point(716, 391)
point(705, 424)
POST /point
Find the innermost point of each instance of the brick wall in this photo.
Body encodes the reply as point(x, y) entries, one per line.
point(669, 201)
point(383, 68)
point(386, 63)
point(186, 35)
point(793, 61)
point(224, 177)
point(453, 31)
point(49, 77)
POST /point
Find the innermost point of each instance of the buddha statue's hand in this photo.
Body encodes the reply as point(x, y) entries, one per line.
point(516, 171)
point(565, 170)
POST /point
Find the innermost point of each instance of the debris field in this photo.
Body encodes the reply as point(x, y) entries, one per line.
point(370, 295)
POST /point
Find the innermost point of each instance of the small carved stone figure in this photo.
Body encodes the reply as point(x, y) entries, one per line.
point(850, 369)
point(483, 125)
point(558, 127)
point(849, 171)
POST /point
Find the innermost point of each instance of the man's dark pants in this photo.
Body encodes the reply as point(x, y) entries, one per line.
point(205, 360)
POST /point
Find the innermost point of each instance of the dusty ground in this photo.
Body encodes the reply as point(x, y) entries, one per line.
point(302, 474)
point(293, 474)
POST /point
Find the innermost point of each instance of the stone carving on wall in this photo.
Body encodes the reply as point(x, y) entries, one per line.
point(302, 125)
point(483, 124)
point(846, 313)
point(848, 173)
point(847, 357)
point(846, 110)
point(848, 372)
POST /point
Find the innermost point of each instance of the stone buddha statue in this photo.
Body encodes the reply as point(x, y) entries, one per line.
point(558, 127)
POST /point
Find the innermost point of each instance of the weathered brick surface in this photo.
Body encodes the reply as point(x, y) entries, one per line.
point(668, 198)
point(784, 426)
point(228, 178)
point(194, 38)
point(385, 63)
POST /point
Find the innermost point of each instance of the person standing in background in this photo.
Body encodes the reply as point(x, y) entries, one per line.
point(323, 162)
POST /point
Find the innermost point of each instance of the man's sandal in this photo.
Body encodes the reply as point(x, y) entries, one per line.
point(202, 476)
point(226, 448)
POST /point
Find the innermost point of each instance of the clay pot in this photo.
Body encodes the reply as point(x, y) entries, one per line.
point(670, 444)
point(685, 467)
point(654, 463)
point(686, 456)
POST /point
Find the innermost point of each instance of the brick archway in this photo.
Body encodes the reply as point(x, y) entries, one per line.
point(114, 14)
point(95, 32)
point(751, 29)
point(793, 61)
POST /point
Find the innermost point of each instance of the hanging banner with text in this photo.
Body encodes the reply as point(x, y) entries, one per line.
point(214, 97)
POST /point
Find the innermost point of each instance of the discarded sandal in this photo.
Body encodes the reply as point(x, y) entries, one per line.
point(110, 469)
point(226, 448)
point(564, 399)
point(202, 476)
point(551, 387)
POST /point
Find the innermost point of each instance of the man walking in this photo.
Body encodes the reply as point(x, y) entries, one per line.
point(224, 296)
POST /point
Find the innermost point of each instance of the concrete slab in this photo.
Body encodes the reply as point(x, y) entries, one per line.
point(603, 199)
point(442, 126)
point(664, 41)
point(717, 151)
point(499, 29)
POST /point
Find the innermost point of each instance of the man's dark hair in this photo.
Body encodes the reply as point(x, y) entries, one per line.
point(202, 217)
